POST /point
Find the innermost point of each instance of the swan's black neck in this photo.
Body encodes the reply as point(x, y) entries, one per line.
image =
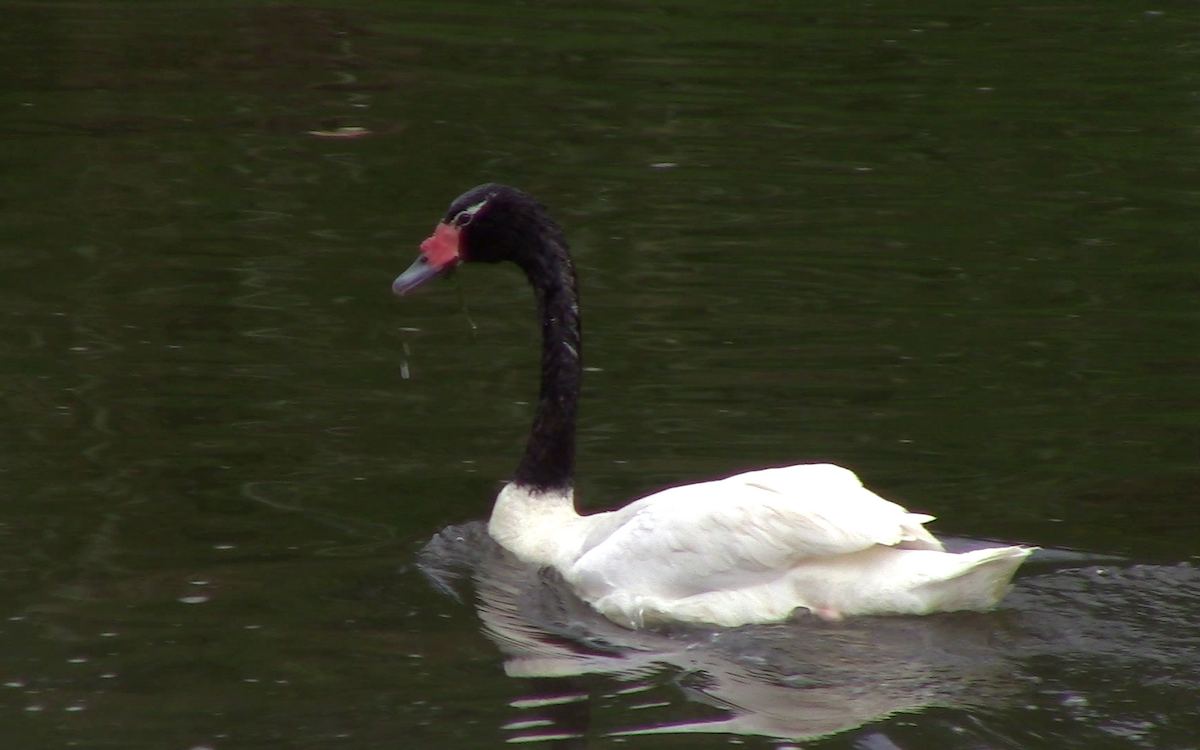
point(549, 461)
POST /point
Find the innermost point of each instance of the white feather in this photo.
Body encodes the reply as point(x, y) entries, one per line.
point(752, 548)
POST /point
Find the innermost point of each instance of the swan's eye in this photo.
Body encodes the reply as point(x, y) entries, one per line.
point(464, 217)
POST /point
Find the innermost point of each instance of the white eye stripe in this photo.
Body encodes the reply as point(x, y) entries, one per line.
point(464, 216)
point(472, 210)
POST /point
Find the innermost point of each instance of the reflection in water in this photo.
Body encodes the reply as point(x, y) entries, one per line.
point(797, 680)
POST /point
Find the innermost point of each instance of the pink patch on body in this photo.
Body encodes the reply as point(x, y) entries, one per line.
point(828, 614)
point(441, 249)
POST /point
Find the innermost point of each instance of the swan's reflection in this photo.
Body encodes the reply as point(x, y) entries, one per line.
point(798, 680)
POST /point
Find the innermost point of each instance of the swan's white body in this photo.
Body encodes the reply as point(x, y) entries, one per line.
point(752, 548)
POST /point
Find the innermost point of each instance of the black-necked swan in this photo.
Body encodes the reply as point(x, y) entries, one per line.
point(749, 548)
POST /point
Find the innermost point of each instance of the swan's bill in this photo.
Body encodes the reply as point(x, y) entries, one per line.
point(416, 275)
point(439, 254)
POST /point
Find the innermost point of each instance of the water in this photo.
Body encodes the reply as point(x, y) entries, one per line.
point(952, 249)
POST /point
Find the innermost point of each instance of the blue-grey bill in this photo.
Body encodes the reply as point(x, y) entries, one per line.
point(416, 275)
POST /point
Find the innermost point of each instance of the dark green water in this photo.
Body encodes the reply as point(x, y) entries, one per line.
point(954, 249)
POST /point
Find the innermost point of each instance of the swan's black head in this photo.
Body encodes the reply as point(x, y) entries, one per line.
point(487, 224)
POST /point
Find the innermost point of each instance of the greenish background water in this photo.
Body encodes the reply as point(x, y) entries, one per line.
point(953, 248)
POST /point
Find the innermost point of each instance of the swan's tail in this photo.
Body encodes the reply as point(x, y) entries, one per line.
point(975, 580)
point(876, 581)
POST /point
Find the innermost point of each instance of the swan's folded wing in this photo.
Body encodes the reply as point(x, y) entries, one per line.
point(741, 531)
point(837, 496)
